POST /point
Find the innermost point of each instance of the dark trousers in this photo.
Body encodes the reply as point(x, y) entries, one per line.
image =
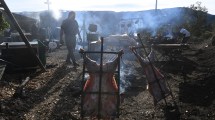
point(70, 44)
point(70, 54)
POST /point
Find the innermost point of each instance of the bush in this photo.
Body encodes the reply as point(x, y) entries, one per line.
point(3, 24)
point(213, 40)
point(207, 35)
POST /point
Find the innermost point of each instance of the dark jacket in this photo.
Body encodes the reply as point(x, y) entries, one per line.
point(70, 27)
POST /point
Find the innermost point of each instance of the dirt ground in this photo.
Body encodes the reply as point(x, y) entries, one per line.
point(55, 94)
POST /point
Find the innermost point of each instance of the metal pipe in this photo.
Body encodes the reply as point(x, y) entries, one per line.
point(82, 89)
point(118, 84)
point(99, 52)
point(48, 3)
point(156, 5)
point(100, 79)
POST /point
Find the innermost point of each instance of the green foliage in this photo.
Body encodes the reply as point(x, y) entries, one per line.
point(213, 28)
point(198, 7)
point(3, 24)
point(198, 18)
point(207, 34)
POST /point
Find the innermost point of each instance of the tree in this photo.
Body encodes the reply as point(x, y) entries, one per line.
point(198, 14)
point(3, 24)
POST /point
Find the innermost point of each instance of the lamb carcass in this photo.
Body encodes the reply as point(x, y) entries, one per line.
point(156, 83)
point(108, 103)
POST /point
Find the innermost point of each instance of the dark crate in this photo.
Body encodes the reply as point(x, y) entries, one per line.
point(17, 56)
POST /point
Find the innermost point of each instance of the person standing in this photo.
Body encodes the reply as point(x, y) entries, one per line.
point(186, 35)
point(69, 28)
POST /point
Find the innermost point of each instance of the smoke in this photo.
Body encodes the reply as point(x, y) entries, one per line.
point(105, 20)
point(54, 8)
point(109, 23)
point(125, 80)
point(154, 20)
point(56, 14)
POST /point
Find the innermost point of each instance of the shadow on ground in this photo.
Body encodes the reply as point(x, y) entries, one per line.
point(199, 92)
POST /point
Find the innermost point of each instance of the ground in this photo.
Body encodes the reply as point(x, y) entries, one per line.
point(55, 94)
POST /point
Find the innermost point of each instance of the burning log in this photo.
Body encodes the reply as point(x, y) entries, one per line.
point(106, 106)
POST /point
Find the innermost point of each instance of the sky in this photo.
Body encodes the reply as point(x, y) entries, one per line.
point(103, 5)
